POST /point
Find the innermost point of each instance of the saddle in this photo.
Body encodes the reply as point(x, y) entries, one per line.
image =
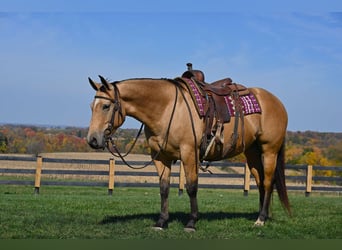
point(214, 92)
point(214, 107)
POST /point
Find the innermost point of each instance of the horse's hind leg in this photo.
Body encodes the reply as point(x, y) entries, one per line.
point(254, 160)
point(164, 170)
point(262, 167)
point(269, 163)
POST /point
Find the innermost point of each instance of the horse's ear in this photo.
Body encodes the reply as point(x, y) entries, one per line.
point(95, 85)
point(104, 82)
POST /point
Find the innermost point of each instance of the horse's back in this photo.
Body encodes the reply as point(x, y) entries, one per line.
point(273, 118)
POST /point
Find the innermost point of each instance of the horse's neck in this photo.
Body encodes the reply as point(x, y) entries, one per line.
point(147, 99)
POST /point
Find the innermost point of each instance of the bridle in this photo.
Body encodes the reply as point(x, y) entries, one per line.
point(116, 111)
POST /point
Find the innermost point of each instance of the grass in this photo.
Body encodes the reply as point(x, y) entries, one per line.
point(89, 213)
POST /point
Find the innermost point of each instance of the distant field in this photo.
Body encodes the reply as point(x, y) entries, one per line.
point(89, 213)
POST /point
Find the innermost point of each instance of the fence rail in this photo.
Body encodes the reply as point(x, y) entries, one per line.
point(308, 178)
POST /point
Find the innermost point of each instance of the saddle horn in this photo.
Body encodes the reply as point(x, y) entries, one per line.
point(104, 82)
point(193, 73)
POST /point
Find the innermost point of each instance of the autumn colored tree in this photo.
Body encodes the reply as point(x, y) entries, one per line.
point(307, 147)
point(3, 143)
point(334, 152)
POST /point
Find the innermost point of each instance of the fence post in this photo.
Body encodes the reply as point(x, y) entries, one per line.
point(38, 174)
point(247, 178)
point(111, 176)
point(181, 179)
point(308, 181)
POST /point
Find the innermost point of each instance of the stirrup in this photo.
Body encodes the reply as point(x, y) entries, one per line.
point(218, 135)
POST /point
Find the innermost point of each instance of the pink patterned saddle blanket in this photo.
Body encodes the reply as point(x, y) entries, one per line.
point(249, 103)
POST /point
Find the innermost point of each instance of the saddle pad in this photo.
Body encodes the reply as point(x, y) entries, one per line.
point(250, 104)
point(196, 95)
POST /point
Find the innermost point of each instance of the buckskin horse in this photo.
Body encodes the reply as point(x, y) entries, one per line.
point(176, 130)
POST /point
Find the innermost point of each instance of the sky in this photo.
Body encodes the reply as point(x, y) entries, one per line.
point(48, 49)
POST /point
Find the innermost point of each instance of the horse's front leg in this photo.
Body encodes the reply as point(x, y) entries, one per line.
point(191, 175)
point(164, 170)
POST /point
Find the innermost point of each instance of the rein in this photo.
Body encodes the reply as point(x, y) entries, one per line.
point(109, 129)
point(204, 169)
point(112, 148)
point(129, 150)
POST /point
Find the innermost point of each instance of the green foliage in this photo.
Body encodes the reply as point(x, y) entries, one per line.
point(89, 213)
point(3, 143)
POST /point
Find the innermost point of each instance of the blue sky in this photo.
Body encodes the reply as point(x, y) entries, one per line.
point(48, 51)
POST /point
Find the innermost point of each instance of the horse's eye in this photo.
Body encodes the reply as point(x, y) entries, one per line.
point(105, 106)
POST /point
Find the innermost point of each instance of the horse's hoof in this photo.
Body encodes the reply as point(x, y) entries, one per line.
point(259, 223)
point(189, 229)
point(160, 226)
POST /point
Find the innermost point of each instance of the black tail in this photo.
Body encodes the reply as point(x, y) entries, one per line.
point(280, 179)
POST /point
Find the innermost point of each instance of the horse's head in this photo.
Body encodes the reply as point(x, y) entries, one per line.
point(107, 113)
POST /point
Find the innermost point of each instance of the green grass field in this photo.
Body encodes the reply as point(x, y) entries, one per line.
point(89, 213)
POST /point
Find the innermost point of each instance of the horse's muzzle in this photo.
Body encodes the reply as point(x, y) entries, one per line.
point(96, 143)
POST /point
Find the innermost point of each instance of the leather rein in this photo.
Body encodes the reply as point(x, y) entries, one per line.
point(108, 131)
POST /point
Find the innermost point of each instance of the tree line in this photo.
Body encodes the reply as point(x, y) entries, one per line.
point(314, 148)
point(307, 147)
point(23, 139)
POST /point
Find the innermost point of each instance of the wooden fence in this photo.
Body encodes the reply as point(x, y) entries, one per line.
point(310, 180)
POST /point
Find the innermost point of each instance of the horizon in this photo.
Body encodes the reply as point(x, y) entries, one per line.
point(81, 127)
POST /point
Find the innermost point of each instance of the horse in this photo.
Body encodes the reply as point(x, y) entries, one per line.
point(174, 131)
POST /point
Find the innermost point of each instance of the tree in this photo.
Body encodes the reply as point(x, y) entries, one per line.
point(335, 152)
point(3, 143)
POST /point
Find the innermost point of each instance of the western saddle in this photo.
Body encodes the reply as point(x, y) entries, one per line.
point(216, 109)
point(221, 87)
